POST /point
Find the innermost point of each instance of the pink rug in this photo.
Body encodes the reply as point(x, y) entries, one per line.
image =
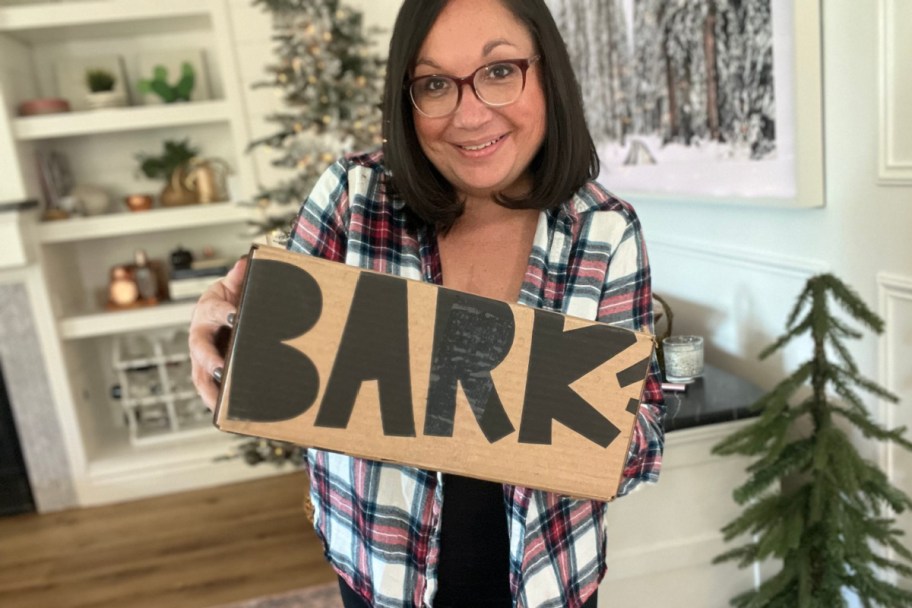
point(323, 596)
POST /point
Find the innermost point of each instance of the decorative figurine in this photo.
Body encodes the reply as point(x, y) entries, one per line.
point(122, 289)
point(144, 277)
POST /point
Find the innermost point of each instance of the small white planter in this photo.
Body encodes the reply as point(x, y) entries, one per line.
point(105, 99)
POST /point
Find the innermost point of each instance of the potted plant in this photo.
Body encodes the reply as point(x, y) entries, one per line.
point(811, 499)
point(170, 166)
point(102, 89)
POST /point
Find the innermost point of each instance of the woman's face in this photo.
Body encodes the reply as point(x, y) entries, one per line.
point(481, 150)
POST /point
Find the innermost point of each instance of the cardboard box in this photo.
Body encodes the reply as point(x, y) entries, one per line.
point(329, 356)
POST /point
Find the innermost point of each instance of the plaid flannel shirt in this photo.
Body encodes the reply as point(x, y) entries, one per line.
point(380, 522)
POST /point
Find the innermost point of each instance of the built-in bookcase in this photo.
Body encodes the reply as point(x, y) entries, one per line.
point(153, 436)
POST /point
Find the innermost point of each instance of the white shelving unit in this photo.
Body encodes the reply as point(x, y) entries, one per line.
point(113, 459)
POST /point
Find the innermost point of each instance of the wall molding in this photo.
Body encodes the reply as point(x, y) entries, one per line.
point(891, 171)
point(892, 291)
point(740, 257)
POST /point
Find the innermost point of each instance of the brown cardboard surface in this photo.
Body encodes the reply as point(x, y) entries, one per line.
point(329, 356)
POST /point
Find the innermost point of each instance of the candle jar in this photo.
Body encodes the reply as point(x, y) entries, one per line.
point(683, 358)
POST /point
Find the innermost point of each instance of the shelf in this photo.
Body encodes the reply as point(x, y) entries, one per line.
point(133, 402)
point(123, 321)
point(36, 23)
point(118, 120)
point(146, 362)
point(142, 222)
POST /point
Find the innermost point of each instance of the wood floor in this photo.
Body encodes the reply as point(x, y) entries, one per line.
point(193, 550)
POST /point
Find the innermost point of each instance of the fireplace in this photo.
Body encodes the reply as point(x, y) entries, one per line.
point(28, 410)
point(15, 493)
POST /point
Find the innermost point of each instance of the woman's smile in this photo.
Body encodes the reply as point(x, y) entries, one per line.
point(483, 149)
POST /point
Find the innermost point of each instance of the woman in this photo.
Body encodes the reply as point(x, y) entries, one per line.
point(484, 185)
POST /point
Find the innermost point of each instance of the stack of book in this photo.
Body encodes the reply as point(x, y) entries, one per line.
point(187, 283)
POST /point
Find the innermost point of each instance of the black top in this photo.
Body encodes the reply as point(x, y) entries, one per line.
point(716, 397)
point(474, 566)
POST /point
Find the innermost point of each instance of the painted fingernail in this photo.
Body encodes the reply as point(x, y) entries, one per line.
point(231, 318)
point(217, 374)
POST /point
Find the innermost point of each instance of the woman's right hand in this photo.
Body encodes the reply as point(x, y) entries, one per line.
point(210, 317)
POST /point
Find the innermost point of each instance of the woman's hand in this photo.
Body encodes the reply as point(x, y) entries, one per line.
point(210, 319)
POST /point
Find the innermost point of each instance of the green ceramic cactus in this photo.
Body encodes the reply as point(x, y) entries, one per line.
point(158, 84)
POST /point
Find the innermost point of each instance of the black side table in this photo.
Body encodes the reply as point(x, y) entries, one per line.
point(718, 396)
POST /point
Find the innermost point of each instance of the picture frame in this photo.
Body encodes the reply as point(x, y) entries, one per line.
point(661, 164)
point(172, 61)
point(70, 78)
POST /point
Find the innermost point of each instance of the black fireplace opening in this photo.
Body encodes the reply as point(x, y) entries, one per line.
point(15, 492)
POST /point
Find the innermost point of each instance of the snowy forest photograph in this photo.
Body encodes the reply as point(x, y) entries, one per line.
point(682, 96)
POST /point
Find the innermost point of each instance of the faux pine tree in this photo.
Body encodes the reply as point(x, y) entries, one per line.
point(331, 84)
point(830, 520)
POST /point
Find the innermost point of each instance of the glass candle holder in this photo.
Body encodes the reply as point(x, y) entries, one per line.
point(683, 358)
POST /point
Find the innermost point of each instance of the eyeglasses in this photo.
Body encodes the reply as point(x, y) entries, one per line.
point(495, 84)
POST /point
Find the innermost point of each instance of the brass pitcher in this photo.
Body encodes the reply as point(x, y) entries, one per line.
point(207, 176)
point(174, 192)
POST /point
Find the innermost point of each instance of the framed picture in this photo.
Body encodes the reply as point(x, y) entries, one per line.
point(702, 100)
point(71, 73)
point(172, 61)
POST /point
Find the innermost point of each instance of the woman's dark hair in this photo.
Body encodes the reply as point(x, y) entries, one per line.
point(566, 159)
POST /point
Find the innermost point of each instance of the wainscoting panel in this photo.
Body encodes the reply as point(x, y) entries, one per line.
point(663, 538)
point(894, 66)
point(895, 301)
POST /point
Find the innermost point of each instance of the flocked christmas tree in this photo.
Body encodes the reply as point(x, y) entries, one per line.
point(331, 84)
point(829, 522)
